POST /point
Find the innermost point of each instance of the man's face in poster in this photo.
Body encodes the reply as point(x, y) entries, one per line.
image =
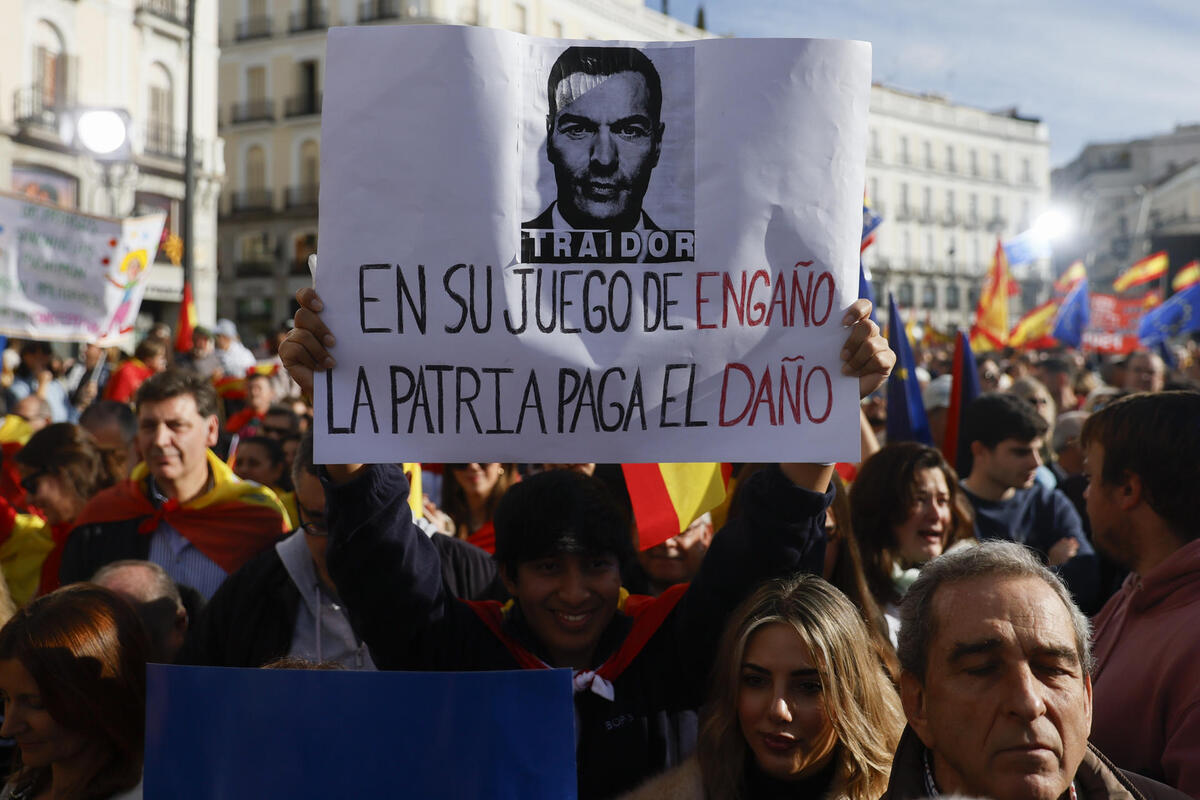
point(603, 142)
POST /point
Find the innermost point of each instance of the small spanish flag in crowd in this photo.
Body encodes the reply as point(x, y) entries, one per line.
point(187, 321)
point(1073, 275)
point(1032, 331)
point(667, 498)
point(1188, 275)
point(990, 330)
point(1150, 268)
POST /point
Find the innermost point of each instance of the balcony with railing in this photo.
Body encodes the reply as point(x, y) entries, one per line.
point(261, 110)
point(32, 107)
point(308, 19)
point(170, 10)
point(164, 141)
point(303, 196)
point(250, 200)
point(253, 28)
point(40, 106)
point(302, 105)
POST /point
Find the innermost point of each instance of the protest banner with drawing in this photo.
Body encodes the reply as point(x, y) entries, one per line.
point(67, 276)
point(543, 251)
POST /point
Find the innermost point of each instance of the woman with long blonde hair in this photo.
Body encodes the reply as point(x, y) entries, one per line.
point(800, 704)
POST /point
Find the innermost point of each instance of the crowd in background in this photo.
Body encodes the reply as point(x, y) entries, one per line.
point(166, 507)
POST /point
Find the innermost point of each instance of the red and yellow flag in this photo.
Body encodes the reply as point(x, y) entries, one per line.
point(1150, 268)
point(1074, 274)
point(990, 331)
point(1188, 275)
point(187, 321)
point(1032, 331)
point(667, 498)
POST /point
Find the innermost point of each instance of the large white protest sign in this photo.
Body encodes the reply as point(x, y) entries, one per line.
point(68, 276)
point(534, 250)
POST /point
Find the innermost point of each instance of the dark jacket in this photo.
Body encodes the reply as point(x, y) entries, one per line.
point(252, 617)
point(1095, 779)
point(90, 547)
point(388, 575)
point(1038, 517)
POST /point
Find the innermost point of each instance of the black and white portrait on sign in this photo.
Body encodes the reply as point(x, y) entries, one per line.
point(608, 159)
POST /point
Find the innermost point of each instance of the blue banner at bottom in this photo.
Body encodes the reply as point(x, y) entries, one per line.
point(245, 734)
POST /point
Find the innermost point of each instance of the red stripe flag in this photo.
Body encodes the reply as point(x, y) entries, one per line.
point(187, 321)
point(667, 498)
point(1149, 269)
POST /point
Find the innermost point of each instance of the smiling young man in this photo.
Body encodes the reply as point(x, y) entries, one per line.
point(996, 686)
point(641, 664)
point(1005, 435)
point(182, 507)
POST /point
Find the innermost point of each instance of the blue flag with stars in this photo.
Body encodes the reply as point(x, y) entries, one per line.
point(1179, 314)
point(1073, 317)
point(906, 420)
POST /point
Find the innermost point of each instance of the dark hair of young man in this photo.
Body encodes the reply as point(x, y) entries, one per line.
point(1156, 437)
point(559, 511)
point(992, 418)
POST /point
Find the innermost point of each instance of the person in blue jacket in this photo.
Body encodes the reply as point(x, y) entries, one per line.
point(640, 664)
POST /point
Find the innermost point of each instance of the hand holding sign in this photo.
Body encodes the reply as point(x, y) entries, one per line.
point(866, 354)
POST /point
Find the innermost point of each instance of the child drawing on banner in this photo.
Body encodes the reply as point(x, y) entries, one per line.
point(132, 267)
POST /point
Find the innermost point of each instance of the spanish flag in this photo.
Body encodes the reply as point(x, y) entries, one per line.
point(667, 498)
point(1032, 331)
point(229, 523)
point(990, 331)
point(1073, 275)
point(187, 321)
point(1188, 275)
point(1150, 268)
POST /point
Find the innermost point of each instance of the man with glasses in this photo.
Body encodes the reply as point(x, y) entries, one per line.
point(283, 602)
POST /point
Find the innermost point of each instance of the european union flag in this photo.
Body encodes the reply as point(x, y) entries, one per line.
point(1179, 314)
point(1073, 316)
point(871, 221)
point(906, 420)
point(864, 290)
point(1027, 246)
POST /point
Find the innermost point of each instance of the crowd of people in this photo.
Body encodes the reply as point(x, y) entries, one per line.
point(1015, 622)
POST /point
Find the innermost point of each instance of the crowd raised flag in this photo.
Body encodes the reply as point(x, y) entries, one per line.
point(906, 419)
point(964, 387)
point(1071, 276)
point(990, 330)
point(667, 498)
point(1178, 315)
point(1073, 317)
point(1149, 269)
point(187, 321)
point(1188, 275)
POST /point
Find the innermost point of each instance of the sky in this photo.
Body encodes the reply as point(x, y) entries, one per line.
point(1096, 71)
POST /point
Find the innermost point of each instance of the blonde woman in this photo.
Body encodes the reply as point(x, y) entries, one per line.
point(800, 706)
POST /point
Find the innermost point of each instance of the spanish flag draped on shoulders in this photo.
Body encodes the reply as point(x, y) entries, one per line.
point(30, 551)
point(229, 523)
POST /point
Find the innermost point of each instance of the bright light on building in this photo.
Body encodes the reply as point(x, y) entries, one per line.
point(101, 131)
point(1052, 225)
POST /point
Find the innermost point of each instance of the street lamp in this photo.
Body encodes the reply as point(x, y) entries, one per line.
point(102, 133)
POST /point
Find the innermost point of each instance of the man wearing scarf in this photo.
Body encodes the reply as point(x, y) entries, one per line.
point(182, 507)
